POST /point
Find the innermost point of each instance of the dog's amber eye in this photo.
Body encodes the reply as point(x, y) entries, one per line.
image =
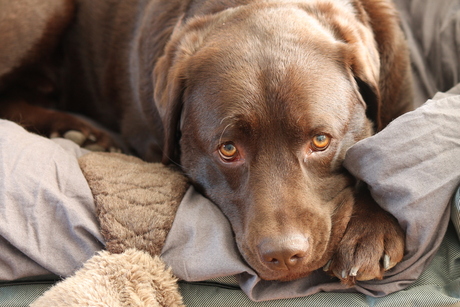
point(321, 141)
point(228, 151)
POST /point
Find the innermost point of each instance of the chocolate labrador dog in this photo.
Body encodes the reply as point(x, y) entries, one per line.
point(257, 101)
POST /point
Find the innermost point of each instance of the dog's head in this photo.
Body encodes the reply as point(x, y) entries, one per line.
point(261, 104)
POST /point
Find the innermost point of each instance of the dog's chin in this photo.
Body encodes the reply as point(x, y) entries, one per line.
point(284, 275)
point(277, 276)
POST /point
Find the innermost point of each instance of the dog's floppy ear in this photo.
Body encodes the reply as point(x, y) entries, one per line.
point(169, 82)
point(370, 93)
point(363, 60)
point(169, 86)
point(365, 74)
point(170, 78)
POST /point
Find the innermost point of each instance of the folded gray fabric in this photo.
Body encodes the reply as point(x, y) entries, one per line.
point(47, 220)
point(412, 170)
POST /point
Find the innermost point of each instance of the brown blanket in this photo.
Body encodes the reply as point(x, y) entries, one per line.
point(136, 203)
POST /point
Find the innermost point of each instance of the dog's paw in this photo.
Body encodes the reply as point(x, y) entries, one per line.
point(82, 133)
point(372, 244)
point(90, 142)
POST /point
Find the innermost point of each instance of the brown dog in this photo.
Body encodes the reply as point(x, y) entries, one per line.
point(257, 100)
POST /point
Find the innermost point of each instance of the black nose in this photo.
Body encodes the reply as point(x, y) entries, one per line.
point(284, 253)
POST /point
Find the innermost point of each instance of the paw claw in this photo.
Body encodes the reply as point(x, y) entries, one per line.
point(327, 266)
point(386, 262)
point(354, 272)
point(92, 138)
point(75, 136)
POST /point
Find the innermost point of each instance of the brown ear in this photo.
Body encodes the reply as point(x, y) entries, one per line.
point(168, 91)
point(365, 68)
point(170, 78)
point(363, 59)
point(169, 82)
point(371, 97)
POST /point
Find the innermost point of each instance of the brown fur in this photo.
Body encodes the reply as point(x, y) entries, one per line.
point(180, 78)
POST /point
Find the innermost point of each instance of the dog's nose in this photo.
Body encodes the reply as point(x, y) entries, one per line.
point(283, 253)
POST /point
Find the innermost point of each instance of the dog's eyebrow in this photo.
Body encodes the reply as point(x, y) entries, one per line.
point(231, 118)
point(228, 122)
point(234, 119)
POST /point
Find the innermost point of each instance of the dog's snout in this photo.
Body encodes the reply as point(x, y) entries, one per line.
point(285, 253)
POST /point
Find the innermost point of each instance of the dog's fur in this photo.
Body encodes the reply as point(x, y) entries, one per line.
point(180, 78)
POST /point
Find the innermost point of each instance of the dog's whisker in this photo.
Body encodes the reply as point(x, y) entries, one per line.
point(223, 131)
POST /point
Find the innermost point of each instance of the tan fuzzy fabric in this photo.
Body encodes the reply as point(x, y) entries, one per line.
point(135, 201)
point(132, 278)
